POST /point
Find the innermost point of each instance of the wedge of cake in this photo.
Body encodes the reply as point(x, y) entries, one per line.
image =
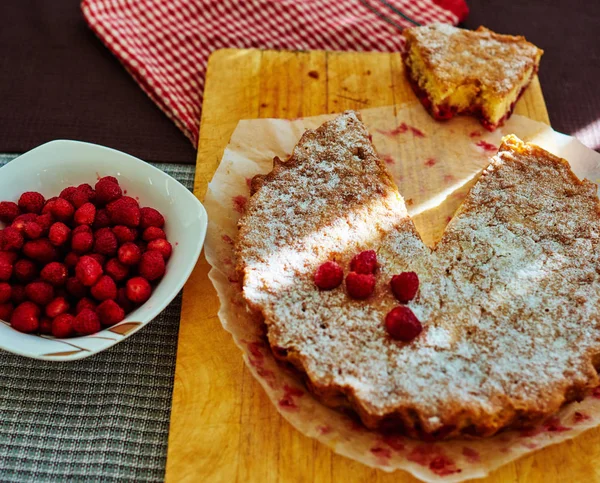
point(508, 301)
point(455, 71)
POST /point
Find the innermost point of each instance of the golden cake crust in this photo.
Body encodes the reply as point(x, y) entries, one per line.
point(508, 298)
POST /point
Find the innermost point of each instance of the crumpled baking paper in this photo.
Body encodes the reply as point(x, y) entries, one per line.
point(434, 165)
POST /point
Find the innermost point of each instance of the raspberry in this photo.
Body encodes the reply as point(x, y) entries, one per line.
point(110, 313)
point(85, 303)
point(125, 234)
point(67, 193)
point(102, 219)
point(327, 277)
point(129, 201)
point(82, 195)
point(122, 212)
point(71, 260)
point(153, 233)
point(55, 273)
point(45, 326)
point(12, 239)
point(40, 293)
point(107, 190)
point(86, 322)
point(82, 229)
point(19, 222)
point(6, 266)
point(75, 287)
point(58, 306)
point(6, 311)
point(32, 230)
point(59, 234)
point(138, 290)
point(109, 178)
point(105, 242)
point(62, 210)
point(405, 286)
point(25, 271)
point(165, 248)
point(5, 292)
point(364, 262)
point(18, 294)
point(8, 211)
point(152, 265)
point(25, 318)
point(150, 217)
point(402, 324)
point(115, 269)
point(360, 285)
point(101, 259)
point(62, 326)
point(47, 209)
point(88, 271)
point(104, 289)
point(40, 250)
point(31, 202)
point(129, 254)
point(82, 241)
point(123, 301)
point(45, 221)
point(85, 214)
point(10, 257)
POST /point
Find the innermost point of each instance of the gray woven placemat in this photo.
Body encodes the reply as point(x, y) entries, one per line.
point(105, 418)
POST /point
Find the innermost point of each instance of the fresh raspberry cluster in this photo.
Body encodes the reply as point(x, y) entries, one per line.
point(78, 262)
point(400, 323)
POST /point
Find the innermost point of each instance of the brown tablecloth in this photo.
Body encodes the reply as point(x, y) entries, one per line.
point(58, 80)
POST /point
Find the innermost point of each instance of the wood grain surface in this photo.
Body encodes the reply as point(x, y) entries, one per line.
point(223, 427)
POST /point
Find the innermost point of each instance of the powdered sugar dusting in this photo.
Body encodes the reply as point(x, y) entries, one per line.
point(508, 298)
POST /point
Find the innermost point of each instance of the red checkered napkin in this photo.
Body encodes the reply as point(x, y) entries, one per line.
point(165, 44)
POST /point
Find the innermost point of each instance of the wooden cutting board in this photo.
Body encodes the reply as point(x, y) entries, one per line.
point(223, 427)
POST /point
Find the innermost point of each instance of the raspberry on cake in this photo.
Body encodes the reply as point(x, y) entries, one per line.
point(455, 71)
point(500, 326)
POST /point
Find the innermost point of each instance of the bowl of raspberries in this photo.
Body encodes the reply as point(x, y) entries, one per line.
point(94, 244)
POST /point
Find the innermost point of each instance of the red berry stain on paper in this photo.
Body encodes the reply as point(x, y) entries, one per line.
point(531, 432)
point(388, 159)
point(249, 182)
point(227, 239)
point(324, 429)
point(239, 203)
point(474, 134)
point(394, 441)
point(596, 393)
point(288, 401)
point(430, 162)
point(580, 417)
point(402, 128)
point(449, 178)
point(486, 146)
point(382, 454)
point(471, 455)
point(433, 457)
point(553, 425)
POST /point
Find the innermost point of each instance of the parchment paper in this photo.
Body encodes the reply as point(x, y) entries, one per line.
point(434, 165)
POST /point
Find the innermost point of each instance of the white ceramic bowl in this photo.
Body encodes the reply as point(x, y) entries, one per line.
point(55, 165)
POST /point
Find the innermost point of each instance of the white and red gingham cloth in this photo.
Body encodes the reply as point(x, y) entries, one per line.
point(165, 44)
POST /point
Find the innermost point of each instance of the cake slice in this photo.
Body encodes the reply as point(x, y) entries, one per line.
point(455, 71)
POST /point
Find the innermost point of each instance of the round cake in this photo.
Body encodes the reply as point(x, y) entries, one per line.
point(508, 300)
